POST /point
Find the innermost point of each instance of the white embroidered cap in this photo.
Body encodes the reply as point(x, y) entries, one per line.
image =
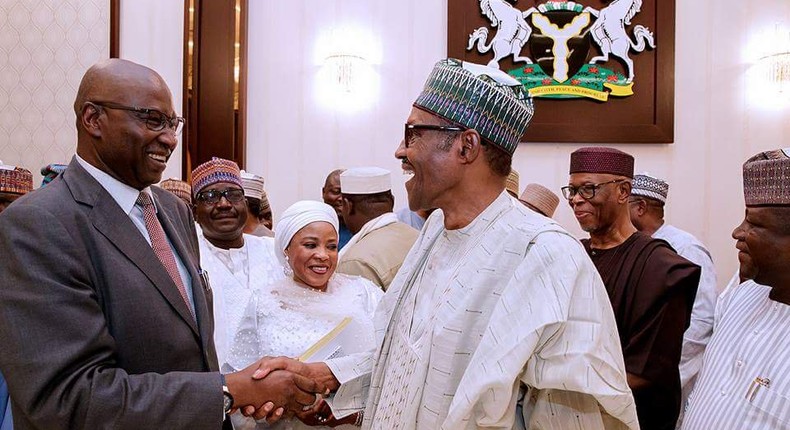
point(649, 186)
point(365, 180)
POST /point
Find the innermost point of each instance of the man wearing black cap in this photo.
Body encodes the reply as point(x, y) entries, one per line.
point(651, 287)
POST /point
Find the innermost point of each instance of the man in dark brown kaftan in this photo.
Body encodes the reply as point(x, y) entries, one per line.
point(651, 287)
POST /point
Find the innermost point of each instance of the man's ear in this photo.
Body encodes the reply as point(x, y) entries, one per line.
point(89, 118)
point(471, 146)
point(641, 207)
point(348, 205)
point(623, 191)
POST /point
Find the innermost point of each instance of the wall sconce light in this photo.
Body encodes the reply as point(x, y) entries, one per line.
point(777, 68)
point(347, 79)
point(345, 70)
point(768, 74)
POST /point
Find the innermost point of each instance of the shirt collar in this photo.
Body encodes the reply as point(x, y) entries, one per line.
point(123, 194)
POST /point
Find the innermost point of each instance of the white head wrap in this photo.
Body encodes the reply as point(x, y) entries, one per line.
point(295, 218)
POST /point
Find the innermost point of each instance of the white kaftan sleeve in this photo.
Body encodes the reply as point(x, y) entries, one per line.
point(353, 371)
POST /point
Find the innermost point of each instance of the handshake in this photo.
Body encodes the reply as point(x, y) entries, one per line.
point(273, 388)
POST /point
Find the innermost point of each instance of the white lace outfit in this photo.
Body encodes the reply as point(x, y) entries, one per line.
point(286, 318)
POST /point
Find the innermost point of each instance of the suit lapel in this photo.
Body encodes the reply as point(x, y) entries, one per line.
point(108, 218)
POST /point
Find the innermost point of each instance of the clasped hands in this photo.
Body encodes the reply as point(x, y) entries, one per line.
point(272, 388)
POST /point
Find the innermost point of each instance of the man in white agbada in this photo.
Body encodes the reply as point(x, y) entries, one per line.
point(497, 317)
point(648, 197)
point(380, 242)
point(745, 378)
point(233, 261)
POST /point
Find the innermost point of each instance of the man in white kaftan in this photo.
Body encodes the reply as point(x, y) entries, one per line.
point(745, 378)
point(508, 307)
point(235, 263)
point(497, 318)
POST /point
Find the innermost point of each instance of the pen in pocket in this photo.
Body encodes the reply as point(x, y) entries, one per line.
point(204, 277)
point(754, 387)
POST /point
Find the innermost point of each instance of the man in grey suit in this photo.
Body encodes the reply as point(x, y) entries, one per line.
point(105, 316)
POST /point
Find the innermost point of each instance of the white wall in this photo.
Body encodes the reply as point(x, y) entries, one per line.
point(293, 140)
point(152, 34)
point(45, 48)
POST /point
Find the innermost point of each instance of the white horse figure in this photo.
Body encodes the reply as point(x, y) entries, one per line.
point(609, 33)
point(513, 31)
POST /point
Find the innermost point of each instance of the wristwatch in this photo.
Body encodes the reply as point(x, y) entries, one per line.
point(227, 399)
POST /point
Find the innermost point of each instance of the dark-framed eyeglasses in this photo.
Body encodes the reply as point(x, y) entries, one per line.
point(154, 120)
point(587, 191)
point(408, 132)
point(212, 197)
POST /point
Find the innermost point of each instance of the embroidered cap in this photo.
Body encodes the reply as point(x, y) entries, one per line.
point(15, 180)
point(51, 171)
point(365, 180)
point(252, 184)
point(265, 203)
point(766, 178)
point(214, 171)
point(178, 187)
point(649, 186)
point(540, 198)
point(479, 97)
point(599, 159)
point(511, 184)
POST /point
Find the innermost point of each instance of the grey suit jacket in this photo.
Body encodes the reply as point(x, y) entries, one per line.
point(93, 331)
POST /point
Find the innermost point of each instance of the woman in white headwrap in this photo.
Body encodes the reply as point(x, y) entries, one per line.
point(286, 317)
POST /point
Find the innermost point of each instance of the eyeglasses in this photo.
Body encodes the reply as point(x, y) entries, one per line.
point(212, 197)
point(408, 132)
point(154, 120)
point(586, 191)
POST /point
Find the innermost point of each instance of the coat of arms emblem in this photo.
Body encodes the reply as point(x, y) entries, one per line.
point(560, 35)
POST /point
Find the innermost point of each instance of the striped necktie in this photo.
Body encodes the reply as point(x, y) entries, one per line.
point(160, 245)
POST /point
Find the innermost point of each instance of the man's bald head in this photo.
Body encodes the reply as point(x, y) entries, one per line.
point(333, 177)
point(117, 80)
